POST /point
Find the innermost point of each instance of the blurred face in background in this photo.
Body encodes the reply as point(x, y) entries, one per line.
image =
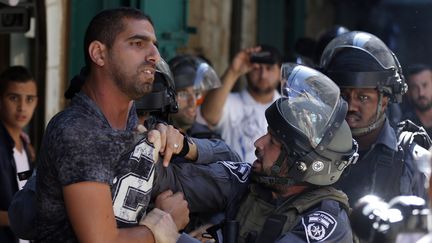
point(420, 90)
point(18, 103)
point(187, 102)
point(264, 79)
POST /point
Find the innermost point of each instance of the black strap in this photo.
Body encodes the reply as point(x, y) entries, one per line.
point(24, 175)
point(272, 229)
point(226, 231)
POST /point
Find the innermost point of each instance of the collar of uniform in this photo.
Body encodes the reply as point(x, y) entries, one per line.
point(84, 101)
point(387, 137)
point(249, 100)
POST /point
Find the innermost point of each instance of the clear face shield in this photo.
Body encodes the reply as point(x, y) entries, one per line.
point(205, 79)
point(311, 100)
point(163, 68)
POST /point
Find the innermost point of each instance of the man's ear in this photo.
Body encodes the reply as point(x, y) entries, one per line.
point(385, 102)
point(97, 52)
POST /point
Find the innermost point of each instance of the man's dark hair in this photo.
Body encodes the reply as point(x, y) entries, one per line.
point(107, 24)
point(417, 68)
point(275, 55)
point(14, 74)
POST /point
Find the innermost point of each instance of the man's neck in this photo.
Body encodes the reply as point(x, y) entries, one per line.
point(425, 117)
point(288, 191)
point(262, 98)
point(366, 141)
point(114, 104)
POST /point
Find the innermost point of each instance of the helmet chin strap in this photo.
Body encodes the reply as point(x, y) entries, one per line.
point(356, 132)
point(274, 178)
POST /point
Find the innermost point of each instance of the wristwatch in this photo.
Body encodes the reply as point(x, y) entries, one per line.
point(185, 149)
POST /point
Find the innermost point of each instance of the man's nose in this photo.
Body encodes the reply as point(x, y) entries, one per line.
point(353, 104)
point(153, 55)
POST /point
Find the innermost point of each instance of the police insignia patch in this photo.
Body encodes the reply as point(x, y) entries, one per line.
point(318, 226)
point(239, 170)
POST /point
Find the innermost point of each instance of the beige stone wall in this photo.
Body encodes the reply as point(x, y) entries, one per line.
point(212, 18)
point(319, 16)
point(249, 25)
point(56, 12)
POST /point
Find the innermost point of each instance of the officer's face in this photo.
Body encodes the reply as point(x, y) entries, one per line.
point(362, 106)
point(420, 90)
point(267, 152)
point(187, 101)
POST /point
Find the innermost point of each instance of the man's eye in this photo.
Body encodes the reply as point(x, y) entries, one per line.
point(13, 98)
point(363, 98)
point(137, 43)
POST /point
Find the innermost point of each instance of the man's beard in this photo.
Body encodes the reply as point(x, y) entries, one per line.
point(423, 108)
point(131, 85)
point(183, 122)
point(258, 90)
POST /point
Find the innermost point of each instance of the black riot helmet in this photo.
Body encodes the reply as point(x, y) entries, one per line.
point(189, 70)
point(326, 37)
point(309, 121)
point(361, 60)
point(162, 98)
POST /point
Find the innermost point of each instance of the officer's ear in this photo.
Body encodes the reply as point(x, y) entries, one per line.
point(97, 52)
point(384, 103)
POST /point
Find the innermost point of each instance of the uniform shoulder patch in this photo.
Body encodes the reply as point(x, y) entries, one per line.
point(318, 226)
point(238, 169)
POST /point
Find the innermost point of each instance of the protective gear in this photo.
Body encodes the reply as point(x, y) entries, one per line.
point(326, 37)
point(361, 60)
point(163, 97)
point(262, 221)
point(309, 121)
point(193, 71)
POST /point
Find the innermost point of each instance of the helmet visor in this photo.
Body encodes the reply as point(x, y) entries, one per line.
point(310, 99)
point(163, 68)
point(206, 78)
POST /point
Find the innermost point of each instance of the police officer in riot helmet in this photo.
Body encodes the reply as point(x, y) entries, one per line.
point(306, 148)
point(370, 77)
point(325, 38)
point(193, 77)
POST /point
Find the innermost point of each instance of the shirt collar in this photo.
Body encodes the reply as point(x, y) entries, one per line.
point(387, 136)
point(250, 100)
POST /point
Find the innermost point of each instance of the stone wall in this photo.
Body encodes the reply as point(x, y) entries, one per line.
point(212, 19)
